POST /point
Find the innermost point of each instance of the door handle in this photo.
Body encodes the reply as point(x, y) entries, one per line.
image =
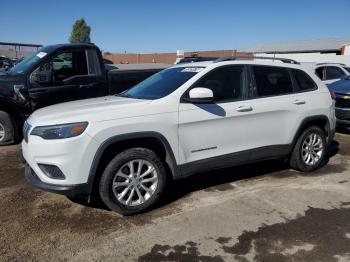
point(244, 109)
point(299, 102)
point(86, 86)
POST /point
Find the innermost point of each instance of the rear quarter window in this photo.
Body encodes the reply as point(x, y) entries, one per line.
point(303, 80)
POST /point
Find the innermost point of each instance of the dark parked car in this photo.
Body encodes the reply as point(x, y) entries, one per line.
point(124, 76)
point(5, 63)
point(37, 82)
point(340, 91)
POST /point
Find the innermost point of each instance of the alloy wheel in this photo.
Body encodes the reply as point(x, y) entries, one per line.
point(312, 149)
point(2, 132)
point(135, 182)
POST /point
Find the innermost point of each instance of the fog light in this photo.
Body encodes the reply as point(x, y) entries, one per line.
point(52, 171)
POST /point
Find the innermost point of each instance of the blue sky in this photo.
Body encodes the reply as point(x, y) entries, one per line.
point(160, 26)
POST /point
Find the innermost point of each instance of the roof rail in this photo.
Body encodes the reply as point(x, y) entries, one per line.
point(232, 58)
point(331, 64)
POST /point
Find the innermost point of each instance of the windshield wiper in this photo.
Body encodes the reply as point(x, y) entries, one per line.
point(124, 95)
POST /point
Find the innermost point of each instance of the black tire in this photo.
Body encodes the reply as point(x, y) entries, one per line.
point(296, 160)
point(6, 124)
point(105, 187)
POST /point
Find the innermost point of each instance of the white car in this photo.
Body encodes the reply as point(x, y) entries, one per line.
point(183, 120)
point(332, 72)
point(59, 63)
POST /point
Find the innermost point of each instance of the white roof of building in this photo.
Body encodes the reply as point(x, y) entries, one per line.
point(323, 44)
point(141, 66)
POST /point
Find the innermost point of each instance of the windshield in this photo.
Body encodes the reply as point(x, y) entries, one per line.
point(162, 84)
point(347, 69)
point(26, 63)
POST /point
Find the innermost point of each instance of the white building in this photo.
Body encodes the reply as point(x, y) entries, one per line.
point(333, 50)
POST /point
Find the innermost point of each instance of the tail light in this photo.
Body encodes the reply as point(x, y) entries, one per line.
point(332, 94)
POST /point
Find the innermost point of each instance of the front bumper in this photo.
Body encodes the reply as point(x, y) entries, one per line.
point(67, 190)
point(342, 115)
point(72, 156)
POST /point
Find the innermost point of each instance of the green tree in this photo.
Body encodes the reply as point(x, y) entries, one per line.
point(80, 32)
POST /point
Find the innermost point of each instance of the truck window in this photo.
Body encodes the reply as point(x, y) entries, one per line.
point(62, 61)
point(66, 65)
point(25, 64)
point(94, 64)
point(122, 81)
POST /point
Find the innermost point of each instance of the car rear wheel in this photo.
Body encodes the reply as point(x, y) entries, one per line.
point(133, 181)
point(7, 129)
point(310, 151)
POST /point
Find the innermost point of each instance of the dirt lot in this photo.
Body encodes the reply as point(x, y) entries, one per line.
point(260, 212)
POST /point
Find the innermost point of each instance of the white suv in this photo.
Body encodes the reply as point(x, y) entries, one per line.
point(331, 72)
point(184, 120)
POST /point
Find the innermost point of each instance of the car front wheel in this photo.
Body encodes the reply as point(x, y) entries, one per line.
point(133, 181)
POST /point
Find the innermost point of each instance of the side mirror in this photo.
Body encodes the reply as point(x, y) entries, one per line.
point(200, 95)
point(346, 77)
point(42, 77)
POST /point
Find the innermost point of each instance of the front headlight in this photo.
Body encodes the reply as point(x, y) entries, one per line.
point(60, 131)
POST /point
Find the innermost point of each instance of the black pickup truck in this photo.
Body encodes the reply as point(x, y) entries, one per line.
point(56, 74)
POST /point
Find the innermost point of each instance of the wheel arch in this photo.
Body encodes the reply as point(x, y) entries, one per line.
point(10, 109)
point(321, 121)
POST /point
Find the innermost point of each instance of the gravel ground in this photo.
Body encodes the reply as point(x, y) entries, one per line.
point(259, 212)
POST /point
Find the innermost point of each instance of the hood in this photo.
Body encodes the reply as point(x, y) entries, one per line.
point(7, 82)
point(341, 86)
point(4, 77)
point(91, 110)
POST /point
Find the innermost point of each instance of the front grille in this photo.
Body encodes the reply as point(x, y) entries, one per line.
point(26, 129)
point(342, 101)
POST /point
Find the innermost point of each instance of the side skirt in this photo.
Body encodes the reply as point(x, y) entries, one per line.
point(234, 159)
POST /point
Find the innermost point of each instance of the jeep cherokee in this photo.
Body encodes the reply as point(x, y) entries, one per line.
point(183, 120)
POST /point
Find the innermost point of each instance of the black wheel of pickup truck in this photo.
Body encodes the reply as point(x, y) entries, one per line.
point(7, 129)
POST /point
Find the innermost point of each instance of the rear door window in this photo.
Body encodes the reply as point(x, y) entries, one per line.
point(334, 72)
point(271, 81)
point(321, 72)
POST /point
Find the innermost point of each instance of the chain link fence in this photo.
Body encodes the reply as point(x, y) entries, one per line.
point(17, 50)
